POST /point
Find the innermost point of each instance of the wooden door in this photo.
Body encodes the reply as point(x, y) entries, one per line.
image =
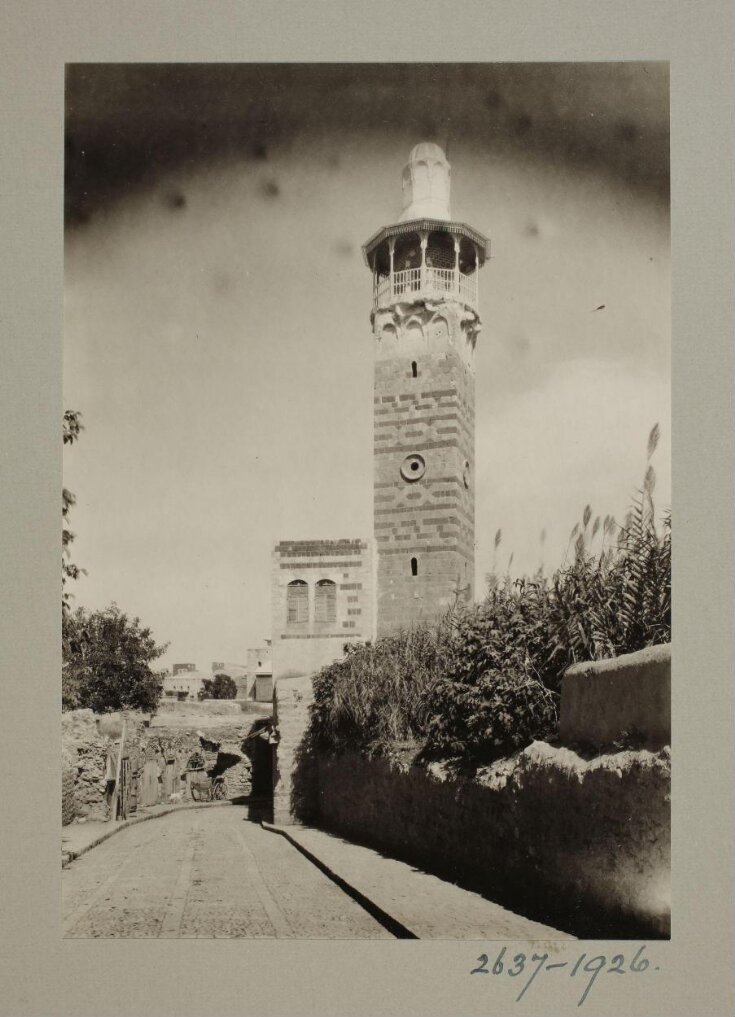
point(168, 780)
point(150, 783)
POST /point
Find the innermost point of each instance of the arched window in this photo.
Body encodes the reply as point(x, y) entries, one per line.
point(440, 252)
point(297, 601)
point(467, 257)
point(414, 566)
point(407, 252)
point(414, 369)
point(325, 601)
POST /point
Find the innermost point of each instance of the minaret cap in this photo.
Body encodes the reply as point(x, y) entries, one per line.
point(426, 184)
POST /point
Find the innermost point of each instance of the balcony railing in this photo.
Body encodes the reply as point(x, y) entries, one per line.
point(426, 282)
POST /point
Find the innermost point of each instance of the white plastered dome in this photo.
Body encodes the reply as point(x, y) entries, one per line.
point(426, 183)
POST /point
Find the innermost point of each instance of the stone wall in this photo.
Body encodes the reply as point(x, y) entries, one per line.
point(158, 760)
point(68, 779)
point(629, 696)
point(583, 844)
point(87, 738)
point(293, 779)
point(195, 709)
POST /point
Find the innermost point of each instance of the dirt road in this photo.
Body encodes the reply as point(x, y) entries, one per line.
point(206, 873)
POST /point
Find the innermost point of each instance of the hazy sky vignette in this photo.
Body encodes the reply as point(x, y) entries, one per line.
point(217, 335)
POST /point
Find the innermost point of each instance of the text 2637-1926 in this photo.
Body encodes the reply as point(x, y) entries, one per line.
point(526, 968)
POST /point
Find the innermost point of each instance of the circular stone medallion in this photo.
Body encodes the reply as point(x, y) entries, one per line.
point(413, 467)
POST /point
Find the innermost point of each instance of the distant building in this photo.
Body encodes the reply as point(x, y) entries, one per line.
point(260, 669)
point(185, 682)
point(322, 598)
point(259, 658)
point(179, 668)
point(238, 672)
point(233, 670)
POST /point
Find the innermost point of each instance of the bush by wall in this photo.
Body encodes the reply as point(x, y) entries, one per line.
point(485, 681)
point(378, 694)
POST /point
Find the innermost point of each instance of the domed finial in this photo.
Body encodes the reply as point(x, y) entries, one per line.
point(426, 184)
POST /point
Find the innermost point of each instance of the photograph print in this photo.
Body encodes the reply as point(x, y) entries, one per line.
point(366, 602)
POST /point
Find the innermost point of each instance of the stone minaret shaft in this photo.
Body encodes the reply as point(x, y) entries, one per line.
point(425, 325)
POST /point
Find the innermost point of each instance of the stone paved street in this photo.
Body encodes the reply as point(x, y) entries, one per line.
point(206, 873)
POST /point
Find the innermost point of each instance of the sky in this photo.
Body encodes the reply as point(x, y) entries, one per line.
point(216, 327)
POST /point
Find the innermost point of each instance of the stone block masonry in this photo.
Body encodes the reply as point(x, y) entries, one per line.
point(321, 598)
point(294, 783)
point(425, 324)
point(424, 427)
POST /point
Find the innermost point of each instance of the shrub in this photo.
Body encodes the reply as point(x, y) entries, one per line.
point(376, 696)
point(219, 687)
point(107, 661)
point(489, 718)
point(511, 652)
point(494, 698)
point(486, 681)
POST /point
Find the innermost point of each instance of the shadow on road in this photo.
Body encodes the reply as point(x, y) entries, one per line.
point(256, 809)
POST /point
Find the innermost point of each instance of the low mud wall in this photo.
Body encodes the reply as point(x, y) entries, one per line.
point(577, 833)
point(580, 843)
point(627, 697)
point(198, 708)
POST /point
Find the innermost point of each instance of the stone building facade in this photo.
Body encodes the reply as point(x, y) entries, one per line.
point(322, 598)
point(185, 684)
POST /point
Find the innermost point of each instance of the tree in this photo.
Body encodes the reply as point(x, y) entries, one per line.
point(219, 687)
point(72, 426)
point(107, 662)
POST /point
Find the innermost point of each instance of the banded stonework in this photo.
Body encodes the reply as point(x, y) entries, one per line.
point(425, 324)
point(424, 460)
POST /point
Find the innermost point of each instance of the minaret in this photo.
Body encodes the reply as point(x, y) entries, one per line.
point(425, 325)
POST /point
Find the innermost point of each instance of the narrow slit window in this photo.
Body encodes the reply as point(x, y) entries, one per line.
point(297, 601)
point(414, 369)
point(325, 601)
point(414, 567)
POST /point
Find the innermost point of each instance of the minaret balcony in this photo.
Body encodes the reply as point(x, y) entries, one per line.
point(425, 283)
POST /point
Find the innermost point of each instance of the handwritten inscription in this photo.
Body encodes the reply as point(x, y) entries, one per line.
point(526, 968)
